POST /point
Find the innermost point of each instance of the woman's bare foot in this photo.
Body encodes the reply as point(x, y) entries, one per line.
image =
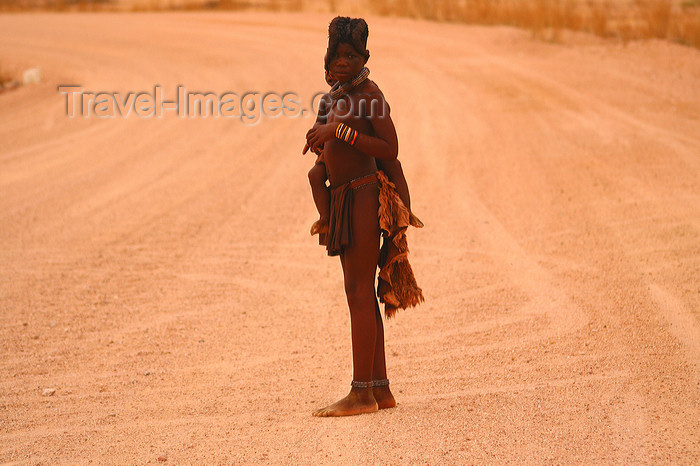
point(358, 401)
point(384, 397)
point(319, 226)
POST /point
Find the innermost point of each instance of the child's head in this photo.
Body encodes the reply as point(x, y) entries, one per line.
point(347, 47)
point(329, 77)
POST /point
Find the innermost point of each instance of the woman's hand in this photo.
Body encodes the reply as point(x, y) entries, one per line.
point(319, 134)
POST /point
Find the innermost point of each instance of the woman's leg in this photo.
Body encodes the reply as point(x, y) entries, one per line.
point(379, 364)
point(382, 394)
point(359, 262)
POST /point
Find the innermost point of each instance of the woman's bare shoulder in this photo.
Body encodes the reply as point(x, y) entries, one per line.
point(370, 87)
point(371, 93)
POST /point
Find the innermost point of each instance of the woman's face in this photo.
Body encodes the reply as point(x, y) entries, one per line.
point(346, 62)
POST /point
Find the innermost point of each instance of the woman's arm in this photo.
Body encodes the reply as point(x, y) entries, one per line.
point(384, 145)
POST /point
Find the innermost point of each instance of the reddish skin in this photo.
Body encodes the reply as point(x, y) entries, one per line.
point(319, 191)
point(344, 162)
point(318, 173)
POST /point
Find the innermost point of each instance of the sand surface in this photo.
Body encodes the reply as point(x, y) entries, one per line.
point(158, 273)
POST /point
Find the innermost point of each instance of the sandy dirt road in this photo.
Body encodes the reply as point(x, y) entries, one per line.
point(158, 273)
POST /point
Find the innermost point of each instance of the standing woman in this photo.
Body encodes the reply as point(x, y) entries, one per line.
point(356, 130)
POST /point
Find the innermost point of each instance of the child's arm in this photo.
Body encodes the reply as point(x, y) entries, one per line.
point(321, 117)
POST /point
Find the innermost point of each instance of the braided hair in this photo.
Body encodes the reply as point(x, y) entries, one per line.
point(343, 29)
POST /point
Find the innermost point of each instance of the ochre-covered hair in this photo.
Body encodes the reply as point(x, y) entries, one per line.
point(343, 29)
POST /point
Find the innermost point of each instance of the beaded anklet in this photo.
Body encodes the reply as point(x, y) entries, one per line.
point(371, 383)
point(381, 382)
point(358, 384)
point(346, 133)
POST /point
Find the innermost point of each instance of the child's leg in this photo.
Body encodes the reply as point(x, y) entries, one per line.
point(322, 197)
point(392, 169)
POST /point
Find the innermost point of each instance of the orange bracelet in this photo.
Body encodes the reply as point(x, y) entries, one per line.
point(346, 133)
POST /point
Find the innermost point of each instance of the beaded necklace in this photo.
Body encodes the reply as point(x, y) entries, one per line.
point(340, 89)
